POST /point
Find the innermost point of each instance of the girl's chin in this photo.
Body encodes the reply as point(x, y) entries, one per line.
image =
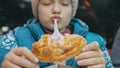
point(51, 28)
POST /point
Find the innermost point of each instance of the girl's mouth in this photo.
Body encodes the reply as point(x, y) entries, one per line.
point(56, 17)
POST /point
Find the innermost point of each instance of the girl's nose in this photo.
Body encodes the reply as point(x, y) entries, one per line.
point(56, 9)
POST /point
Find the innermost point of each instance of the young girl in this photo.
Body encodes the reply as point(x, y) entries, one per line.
point(15, 47)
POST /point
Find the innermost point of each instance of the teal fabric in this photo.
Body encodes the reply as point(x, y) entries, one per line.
point(25, 36)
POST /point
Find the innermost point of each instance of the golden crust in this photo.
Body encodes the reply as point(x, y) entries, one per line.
point(46, 51)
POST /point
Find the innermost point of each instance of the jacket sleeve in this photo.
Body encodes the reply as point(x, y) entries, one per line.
point(115, 51)
point(103, 48)
point(102, 44)
point(7, 42)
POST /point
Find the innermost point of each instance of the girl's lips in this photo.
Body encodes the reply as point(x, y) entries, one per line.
point(56, 17)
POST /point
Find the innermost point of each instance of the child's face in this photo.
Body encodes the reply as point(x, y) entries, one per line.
point(51, 9)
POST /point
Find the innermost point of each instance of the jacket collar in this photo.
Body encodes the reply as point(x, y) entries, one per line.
point(35, 27)
point(79, 27)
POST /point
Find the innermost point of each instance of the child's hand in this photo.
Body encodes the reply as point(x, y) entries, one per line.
point(91, 56)
point(20, 57)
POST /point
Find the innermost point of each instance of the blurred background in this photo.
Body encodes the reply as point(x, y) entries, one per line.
point(102, 16)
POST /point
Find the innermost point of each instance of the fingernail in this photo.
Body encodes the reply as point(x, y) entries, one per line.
point(80, 62)
point(76, 57)
point(36, 59)
point(84, 49)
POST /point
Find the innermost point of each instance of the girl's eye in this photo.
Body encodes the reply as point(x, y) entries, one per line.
point(65, 3)
point(46, 4)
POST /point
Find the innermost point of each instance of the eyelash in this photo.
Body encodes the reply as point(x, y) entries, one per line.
point(46, 3)
point(65, 4)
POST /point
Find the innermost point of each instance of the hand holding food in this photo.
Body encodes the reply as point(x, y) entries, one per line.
point(20, 57)
point(91, 56)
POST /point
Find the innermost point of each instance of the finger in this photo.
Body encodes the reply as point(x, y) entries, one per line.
point(23, 51)
point(92, 46)
point(91, 61)
point(7, 64)
point(97, 66)
point(88, 54)
point(20, 61)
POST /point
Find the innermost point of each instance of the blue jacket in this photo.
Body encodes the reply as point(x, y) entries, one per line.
point(25, 36)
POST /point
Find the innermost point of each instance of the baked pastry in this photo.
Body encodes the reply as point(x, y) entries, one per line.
point(52, 50)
